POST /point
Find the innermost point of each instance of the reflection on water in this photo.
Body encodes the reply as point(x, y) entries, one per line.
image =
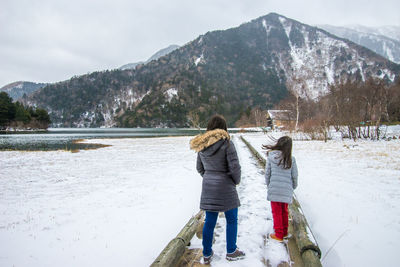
point(66, 138)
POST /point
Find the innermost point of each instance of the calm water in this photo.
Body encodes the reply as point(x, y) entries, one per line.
point(64, 139)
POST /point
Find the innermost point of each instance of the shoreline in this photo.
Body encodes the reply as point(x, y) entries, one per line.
point(24, 131)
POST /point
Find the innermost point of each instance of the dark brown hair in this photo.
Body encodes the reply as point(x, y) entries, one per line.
point(217, 122)
point(284, 144)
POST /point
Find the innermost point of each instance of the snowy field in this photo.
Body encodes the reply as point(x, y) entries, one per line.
point(115, 206)
point(350, 193)
point(120, 205)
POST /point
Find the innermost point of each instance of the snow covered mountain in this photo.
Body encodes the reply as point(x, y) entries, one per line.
point(312, 59)
point(392, 32)
point(16, 90)
point(156, 56)
point(226, 72)
point(384, 41)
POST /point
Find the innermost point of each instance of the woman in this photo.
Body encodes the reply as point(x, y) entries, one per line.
point(218, 164)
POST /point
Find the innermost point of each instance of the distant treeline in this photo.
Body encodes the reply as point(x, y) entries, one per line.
point(16, 115)
point(357, 107)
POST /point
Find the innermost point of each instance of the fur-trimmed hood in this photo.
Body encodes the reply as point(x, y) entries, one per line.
point(202, 141)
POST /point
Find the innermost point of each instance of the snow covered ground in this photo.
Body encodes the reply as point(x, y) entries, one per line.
point(350, 193)
point(115, 206)
point(120, 205)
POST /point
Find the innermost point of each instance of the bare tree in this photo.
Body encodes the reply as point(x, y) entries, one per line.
point(392, 104)
point(255, 117)
point(298, 88)
point(194, 119)
point(359, 107)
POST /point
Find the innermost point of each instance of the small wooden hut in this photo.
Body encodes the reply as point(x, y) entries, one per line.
point(280, 119)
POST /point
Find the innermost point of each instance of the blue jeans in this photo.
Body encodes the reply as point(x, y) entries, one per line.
point(231, 230)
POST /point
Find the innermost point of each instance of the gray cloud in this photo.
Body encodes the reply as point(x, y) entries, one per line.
point(48, 41)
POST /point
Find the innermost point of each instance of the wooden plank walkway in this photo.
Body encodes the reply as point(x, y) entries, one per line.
point(255, 223)
point(193, 256)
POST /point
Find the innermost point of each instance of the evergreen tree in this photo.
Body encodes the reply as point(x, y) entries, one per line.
point(22, 114)
point(42, 116)
point(7, 109)
point(18, 116)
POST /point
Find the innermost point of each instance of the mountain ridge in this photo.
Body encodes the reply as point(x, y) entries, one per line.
point(16, 90)
point(381, 44)
point(390, 31)
point(155, 56)
point(223, 71)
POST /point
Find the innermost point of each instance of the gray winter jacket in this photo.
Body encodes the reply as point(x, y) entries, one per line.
point(218, 164)
point(281, 182)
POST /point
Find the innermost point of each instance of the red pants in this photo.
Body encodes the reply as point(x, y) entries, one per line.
point(280, 215)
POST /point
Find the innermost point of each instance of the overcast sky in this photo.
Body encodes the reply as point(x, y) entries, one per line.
point(53, 40)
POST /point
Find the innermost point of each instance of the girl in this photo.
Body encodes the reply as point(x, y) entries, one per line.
point(281, 179)
point(218, 164)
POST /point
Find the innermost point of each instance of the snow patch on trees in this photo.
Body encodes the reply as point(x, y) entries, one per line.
point(317, 57)
point(171, 93)
point(199, 59)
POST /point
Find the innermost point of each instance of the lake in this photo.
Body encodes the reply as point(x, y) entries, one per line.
point(68, 138)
